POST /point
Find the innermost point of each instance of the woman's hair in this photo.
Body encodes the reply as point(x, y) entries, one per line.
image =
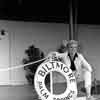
point(65, 45)
point(70, 42)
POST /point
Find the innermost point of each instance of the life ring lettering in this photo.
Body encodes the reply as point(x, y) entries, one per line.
point(47, 67)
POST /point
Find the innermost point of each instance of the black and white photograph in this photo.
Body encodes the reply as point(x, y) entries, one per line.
point(49, 50)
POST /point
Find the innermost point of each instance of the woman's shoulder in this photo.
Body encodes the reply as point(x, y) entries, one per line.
point(80, 55)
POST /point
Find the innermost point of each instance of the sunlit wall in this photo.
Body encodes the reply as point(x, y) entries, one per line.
point(47, 37)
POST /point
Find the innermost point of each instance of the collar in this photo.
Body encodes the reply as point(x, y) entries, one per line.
point(75, 56)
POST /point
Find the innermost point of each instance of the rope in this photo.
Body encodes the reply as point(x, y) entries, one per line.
point(21, 66)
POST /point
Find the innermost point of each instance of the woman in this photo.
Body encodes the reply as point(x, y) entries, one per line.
point(77, 63)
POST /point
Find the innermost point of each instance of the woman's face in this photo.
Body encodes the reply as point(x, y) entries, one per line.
point(72, 49)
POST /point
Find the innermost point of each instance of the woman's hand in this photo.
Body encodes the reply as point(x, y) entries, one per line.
point(52, 56)
point(76, 74)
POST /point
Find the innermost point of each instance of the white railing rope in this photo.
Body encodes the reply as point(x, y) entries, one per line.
point(21, 66)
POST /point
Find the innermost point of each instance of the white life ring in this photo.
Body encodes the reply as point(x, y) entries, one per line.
point(71, 90)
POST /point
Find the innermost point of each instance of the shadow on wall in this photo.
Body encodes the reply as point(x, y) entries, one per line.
point(32, 54)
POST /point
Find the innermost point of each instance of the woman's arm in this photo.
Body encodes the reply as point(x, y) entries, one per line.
point(85, 64)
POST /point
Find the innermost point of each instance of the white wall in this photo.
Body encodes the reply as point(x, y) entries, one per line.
point(89, 36)
point(45, 36)
point(4, 59)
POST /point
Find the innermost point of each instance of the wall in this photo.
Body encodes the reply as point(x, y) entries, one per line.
point(4, 59)
point(89, 37)
point(45, 36)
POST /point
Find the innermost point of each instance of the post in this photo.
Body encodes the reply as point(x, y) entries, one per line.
point(71, 33)
point(75, 20)
point(51, 82)
point(9, 35)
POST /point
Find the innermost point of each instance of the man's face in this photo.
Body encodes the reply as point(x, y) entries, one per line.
point(72, 49)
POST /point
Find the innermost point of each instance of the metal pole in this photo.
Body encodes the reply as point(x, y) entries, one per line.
point(71, 22)
point(75, 24)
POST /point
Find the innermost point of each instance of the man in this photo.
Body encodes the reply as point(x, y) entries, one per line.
point(77, 63)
